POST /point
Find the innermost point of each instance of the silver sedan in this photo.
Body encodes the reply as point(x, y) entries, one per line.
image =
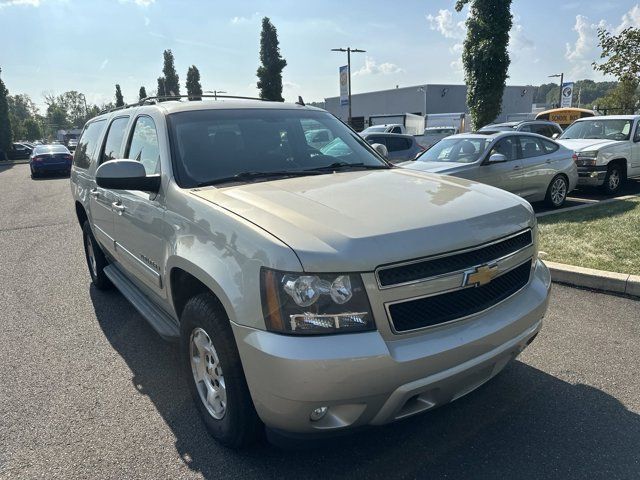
point(529, 165)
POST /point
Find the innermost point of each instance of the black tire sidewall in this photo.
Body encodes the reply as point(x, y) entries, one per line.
point(240, 425)
point(101, 281)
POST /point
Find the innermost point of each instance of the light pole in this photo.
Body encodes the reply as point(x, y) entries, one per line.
point(348, 50)
point(561, 75)
point(423, 89)
point(215, 93)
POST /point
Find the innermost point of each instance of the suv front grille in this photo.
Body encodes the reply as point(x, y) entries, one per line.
point(423, 269)
point(429, 311)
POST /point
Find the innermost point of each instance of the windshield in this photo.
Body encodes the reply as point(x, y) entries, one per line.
point(604, 129)
point(210, 145)
point(459, 150)
point(381, 128)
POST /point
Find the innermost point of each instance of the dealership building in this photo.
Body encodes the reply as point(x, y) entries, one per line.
point(425, 99)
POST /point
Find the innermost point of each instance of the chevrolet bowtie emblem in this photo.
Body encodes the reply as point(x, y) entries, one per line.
point(480, 275)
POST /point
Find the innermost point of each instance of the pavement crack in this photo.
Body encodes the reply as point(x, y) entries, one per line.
point(42, 225)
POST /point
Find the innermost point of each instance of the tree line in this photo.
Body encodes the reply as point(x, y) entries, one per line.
point(21, 120)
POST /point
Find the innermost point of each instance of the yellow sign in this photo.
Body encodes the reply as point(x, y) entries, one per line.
point(481, 276)
point(564, 118)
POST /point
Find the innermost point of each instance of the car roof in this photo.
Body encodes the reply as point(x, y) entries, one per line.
point(387, 134)
point(609, 117)
point(167, 107)
point(493, 134)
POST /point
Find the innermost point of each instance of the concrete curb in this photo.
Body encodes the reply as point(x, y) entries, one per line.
point(590, 203)
point(621, 283)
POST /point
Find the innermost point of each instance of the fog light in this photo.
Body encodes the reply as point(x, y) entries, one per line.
point(318, 413)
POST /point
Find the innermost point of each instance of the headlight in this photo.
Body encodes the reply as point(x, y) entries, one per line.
point(587, 159)
point(588, 154)
point(308, 304)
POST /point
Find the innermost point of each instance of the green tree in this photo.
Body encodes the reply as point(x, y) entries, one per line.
point(57, 119)
point(32, 130)
point(161, 87)
point(270, 71)
point(171, 80)
point(194, 89)
point(485, 57)
point(6, 135)
point(142, 94)
point(621, 54)
point(119, 99)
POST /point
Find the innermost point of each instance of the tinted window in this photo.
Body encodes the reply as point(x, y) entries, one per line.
point(85, 151)
point(374, 139)
point(210, 146)
point(549, 147)
point(526, 128)
point(396, 130)
point(395, 144)
point(113, 144)
point(51, 149)
point(144, 145)
point(507, 147)
point(530, 147)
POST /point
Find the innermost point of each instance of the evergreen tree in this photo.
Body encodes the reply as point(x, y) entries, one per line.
point(270, 71)
point(5, 122)
point(171, 80)
point(142, 94)
point(194, 89)
point(161, 88)
point(119, 99)
point(485, 57)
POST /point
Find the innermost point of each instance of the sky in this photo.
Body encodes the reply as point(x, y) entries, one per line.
point(90, 45)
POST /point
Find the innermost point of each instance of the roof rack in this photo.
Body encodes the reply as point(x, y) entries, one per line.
point(161, 98)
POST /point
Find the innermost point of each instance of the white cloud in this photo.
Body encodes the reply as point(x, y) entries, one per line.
point(240, 20)
point(444, 23)
point(372, 68)
point(11, 3)
point(104, 63)
point(141, 3)
point(289, 85)
point(630, 19)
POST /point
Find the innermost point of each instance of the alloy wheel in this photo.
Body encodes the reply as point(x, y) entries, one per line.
point(614, 179)
point(558, 191)
point(207, 373)
point(91, 256)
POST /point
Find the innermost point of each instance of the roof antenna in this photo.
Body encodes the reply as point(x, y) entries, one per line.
point(300, 101)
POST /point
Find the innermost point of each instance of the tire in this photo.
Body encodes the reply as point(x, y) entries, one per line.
point(96, 261)
point(613, 180)
point(206, 339)
point(557, 192)
point(34, 174)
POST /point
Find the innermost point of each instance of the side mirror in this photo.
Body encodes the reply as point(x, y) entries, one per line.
point(381, 149)
point(497, 158)
point(126, 175)
point(555, 135)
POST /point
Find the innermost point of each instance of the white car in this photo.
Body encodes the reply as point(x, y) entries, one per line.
point(607, 150)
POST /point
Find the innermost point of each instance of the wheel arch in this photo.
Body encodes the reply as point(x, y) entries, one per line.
point(81, 213)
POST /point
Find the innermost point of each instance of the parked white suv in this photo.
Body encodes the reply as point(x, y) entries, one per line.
point(310, 292)
point(607, 150)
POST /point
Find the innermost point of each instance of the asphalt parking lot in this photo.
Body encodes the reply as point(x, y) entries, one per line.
point(88, 390)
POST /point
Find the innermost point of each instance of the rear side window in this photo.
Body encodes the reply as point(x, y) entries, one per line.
point(380, 140)
point(395, 144)
point(530, 147)
point(113, 144)
point(86, 149)
point(396, 130)
point(549, 147)
point(144, 146)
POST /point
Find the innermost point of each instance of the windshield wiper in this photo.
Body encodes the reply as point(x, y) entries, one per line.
point(254, 175)
point(347, 165)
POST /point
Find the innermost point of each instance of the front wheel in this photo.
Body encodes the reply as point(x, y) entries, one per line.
point(613, 180)
point(557, 192)
point(215, 375)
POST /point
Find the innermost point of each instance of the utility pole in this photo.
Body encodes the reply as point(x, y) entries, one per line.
point(348, 50)
point(561, 75)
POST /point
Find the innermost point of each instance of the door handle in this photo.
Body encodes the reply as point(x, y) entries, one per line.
point(548, 160)
point(517, 167)
point(118, 207)
point(94, 193)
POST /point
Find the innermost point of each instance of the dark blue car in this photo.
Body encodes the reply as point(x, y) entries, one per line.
point(50, 159)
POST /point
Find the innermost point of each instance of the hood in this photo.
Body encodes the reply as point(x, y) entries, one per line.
point(580, 144)
point(355, 221)
point(445, 168)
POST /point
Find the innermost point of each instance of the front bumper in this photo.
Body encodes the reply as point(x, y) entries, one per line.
point(367, 379)
point(592, 176)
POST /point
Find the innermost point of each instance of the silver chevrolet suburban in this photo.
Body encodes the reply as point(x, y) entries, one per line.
point(311, 291)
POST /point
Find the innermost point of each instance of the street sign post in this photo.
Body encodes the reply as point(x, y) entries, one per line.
point(566, 95)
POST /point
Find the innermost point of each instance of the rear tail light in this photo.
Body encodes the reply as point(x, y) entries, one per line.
point(69, 157)
point(37, 159)
point(575, 157)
